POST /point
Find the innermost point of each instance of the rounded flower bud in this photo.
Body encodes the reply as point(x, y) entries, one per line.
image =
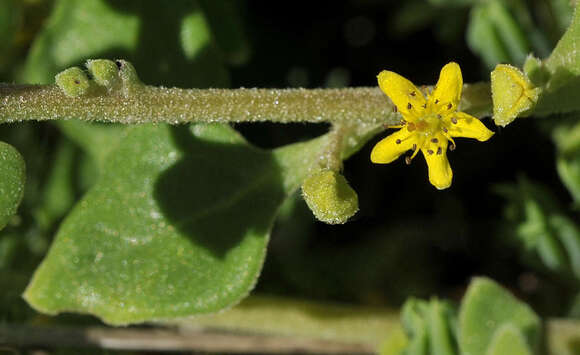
point(329, 196)
point(73, 82)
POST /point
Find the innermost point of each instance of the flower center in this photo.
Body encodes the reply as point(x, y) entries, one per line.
point(427, 125)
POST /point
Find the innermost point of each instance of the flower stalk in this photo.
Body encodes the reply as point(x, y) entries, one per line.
point(150, 104)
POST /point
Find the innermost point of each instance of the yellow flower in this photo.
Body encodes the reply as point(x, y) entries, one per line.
point(429, 123)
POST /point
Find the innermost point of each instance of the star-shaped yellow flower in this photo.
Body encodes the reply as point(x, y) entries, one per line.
point(429, 122)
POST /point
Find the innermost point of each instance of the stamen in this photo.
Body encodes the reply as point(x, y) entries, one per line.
point(436, 101)
point(409, 106)
point(434, 140)
point(439, 151)
point(398, 141)
point(412, 93)
point(454, 120)
point(444, 129)
point(449, 106)
point(408, 160)
point(439, 116)
point(395, 109)
point(424, 105)
point(430, 152)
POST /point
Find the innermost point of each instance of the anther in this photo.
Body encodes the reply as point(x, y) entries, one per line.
point(394, 108)
point(449, 106)
point(430, 152)
point(444, 129)
point(439, 116)
point(398, 141)
point(409, 106)
point(454, 120)
point(408, 160)
point(434, 140)
point(412, 93)
point(436, 101)
point(439, 151)
point(424, 105)
point(452, 146)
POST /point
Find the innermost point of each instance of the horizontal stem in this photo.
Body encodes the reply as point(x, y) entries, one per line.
point(149, 104)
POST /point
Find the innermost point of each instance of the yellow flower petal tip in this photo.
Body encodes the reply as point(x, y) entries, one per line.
point(429, 123)
point(512, 94)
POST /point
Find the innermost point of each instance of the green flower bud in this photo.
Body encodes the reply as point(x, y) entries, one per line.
point(128, 76)
point(104, 72)
point(73, 82)
point(329, 196)
point(513, 94)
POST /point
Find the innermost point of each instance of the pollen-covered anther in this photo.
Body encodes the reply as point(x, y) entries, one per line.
point(398, 141)
point(439, 116)
point(449, 106)
point(412, 93)
point(409, 106)
point(454, 120)
point(444, 129)
point(430, 151)
point(439, 151)
point(436, 101)
point(434, 140)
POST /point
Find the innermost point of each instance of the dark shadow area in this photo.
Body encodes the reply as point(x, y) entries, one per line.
point(159, 57)
point(219, 193)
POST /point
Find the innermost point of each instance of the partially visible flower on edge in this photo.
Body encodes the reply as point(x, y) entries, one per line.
point(429, 123)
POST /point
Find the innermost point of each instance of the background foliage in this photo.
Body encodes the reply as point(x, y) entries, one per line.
point(511, 213)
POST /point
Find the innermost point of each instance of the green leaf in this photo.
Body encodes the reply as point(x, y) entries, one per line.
point(169, 45)
point(12, 177)
point(542, 228)
point(508, 340)
point(227, 27)
point(152, 240)
point(486, 308)
point(430, 327)
point(495, 34)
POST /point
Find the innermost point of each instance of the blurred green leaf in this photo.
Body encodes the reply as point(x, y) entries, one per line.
point(430, 327)
point(227, 28)
point(12, 177)
point(508, 340)
point(496, 35)
point(544, 231)
point(486, 309)
point(10, 21)
point(152, 241)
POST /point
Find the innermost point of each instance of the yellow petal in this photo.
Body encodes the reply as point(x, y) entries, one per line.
point(387, 150)
point(440, 174)
point(448, 88)
point(408, 99)
point(468, 126)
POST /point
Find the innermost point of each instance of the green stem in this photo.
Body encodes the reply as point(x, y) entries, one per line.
point(148, 104)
